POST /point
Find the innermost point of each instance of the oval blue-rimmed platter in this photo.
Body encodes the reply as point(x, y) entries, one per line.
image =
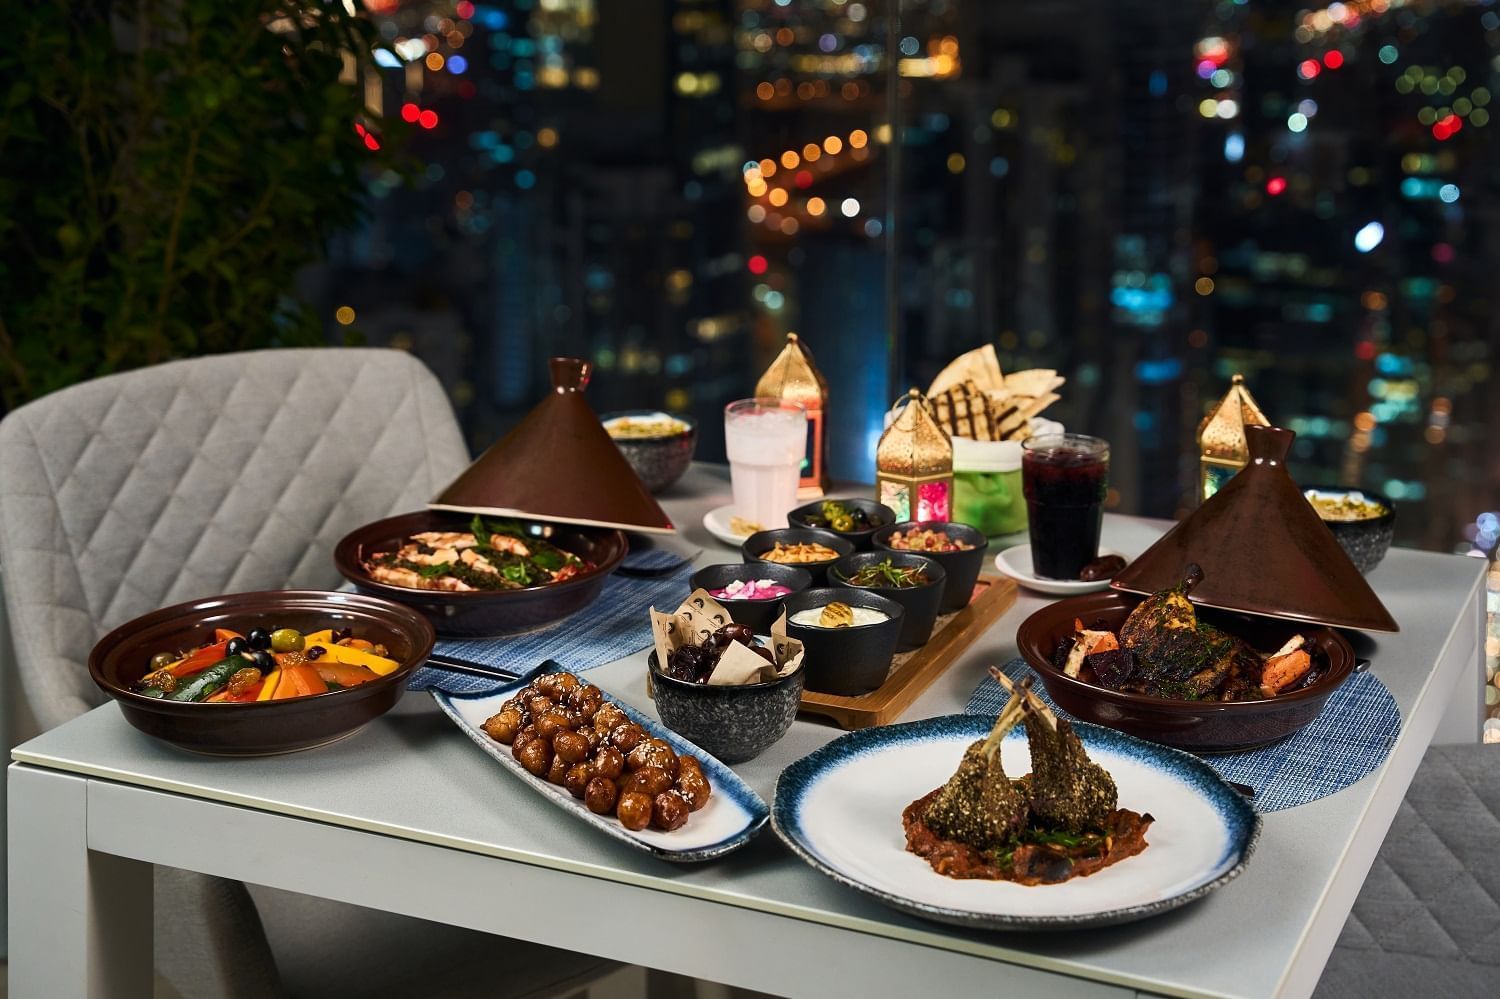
point(733, 815)
point(839, 809)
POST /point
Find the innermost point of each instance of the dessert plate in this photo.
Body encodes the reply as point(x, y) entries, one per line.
point(839, 809)
point(716, 522)
point(733, 815)
point(1016, 563)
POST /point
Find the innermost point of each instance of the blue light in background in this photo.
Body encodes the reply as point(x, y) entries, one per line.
point(525, 180)
point(1234, 147)
point(1158, 372)
point(1158, 83)
point(1370, 235)
point(457, 64)
point(387, 58)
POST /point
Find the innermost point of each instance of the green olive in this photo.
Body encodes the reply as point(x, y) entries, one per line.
point(287, 640)
point(162, 660)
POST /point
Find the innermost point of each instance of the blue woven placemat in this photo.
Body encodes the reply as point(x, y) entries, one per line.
point(1348, 739)
point(613, 626)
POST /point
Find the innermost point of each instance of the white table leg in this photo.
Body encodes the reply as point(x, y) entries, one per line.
point(80, 921)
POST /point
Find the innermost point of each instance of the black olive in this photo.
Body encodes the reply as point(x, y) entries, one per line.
point(316, 652)
point(236, 647)
point(259, 638)
point(261, 659)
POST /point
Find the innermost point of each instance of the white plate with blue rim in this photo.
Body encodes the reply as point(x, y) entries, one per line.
point(733, 815)
point(839, 809)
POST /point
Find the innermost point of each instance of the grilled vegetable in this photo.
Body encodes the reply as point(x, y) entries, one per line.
point(210, 679)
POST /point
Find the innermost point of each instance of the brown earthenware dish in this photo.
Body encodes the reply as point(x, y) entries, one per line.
point(484, 613)
point(260, 728)
point(1199, 726)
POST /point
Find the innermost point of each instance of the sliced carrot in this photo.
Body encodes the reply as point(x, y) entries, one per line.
point(309, 680)
point(217, 696)
point(288, 687)
point(343, 674)
point(199, 660)
point(224, 634)
point(268, 686)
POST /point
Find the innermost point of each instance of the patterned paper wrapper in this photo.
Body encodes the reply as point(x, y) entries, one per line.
point(698, 617)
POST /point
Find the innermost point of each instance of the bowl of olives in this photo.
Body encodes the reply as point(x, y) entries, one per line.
point(854, 520)
point(735, 722)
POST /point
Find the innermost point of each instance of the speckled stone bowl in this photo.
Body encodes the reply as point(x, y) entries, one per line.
point(1365, 541)
point(733, 723)
point(659, 461)
point(758, 615)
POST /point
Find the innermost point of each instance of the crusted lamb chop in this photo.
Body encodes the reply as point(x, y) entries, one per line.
point(1067, 790)
point(978, 805)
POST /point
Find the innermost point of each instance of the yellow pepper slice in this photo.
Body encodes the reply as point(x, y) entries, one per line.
point(268, 689)
point(323, 637)
point(354, 657)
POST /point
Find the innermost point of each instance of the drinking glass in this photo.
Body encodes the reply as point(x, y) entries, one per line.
point(1064, 477)
point(766, 440)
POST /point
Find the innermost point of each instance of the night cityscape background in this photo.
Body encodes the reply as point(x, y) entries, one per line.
point(1147, 197)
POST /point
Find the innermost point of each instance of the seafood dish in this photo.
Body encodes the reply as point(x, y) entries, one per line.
point(751, 589)
point(1163, 650)
point(919, 539)
point(649, 427)
point(1061, 821)
point(845, 518)
point(838, 615)
point(887, 575)
point(799, 553)
point(264, 665)
point(490, 555)
point(562, 730)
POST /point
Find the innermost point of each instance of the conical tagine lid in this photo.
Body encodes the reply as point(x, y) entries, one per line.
point(558, 464)
point(1263, 550)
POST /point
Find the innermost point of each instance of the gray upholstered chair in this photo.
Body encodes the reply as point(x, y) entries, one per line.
point(216, 475)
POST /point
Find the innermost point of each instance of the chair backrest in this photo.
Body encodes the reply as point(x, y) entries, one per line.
point(214, 475)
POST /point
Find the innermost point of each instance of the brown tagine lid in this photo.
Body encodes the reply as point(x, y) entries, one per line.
point(1263, 550)
point(558, 464)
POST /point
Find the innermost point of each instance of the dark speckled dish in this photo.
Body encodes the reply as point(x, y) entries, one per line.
point(962, 567)
point(1364, 541)
point(659, 461)
point(846, 661)
point(836, 809)
point(758, 615)
point(761, 542)
point(880, 517)
point(921, 603)
point(733, 723)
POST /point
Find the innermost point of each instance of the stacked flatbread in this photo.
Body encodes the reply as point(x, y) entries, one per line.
point(971, 397)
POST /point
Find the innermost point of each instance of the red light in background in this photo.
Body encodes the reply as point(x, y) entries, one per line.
point(1275, 186)
point(1333, 59)
point(409, 112)
point(1309, 68)
point(1443, 253)
point(464, 9)
point(428, 119)
point(803, 179)
point(1446, 127)
point(758, 264)
point(1365, 350)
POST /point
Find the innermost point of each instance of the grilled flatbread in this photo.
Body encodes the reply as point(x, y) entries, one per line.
point(980, 366)
point(963, 411)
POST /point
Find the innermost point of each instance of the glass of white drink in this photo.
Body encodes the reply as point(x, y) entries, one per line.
point(766, 440)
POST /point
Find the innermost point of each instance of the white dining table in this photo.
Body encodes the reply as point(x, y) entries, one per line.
point(409, 816)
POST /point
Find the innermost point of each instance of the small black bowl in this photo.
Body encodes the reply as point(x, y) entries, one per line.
point(733, 723)
point(758, 615)
point(878, 514)
point(1364, 541)
point(921, 603)
point(962, 567)
point(848, 661)
point(761, 542)
point(659, 461)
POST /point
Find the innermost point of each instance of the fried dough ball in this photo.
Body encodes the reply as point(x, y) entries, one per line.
point(577, 779)
point(608, 716)
point(539, 704)
point(572, 747)
point(504, 726)
point(551, 723)
point(609, 762)
point(634, 810)
point(653, 753)
point(536, 757)
point(693, 785)
point(557, 770)
point(625, 736)
point(648, 780)
point(600, 795)
point(527, 734)
point(669, 811)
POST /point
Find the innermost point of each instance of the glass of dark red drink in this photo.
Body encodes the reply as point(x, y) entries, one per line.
point(1064, 477)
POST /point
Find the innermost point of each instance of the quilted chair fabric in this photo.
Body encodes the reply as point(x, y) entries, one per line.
point(1427, 921)
point(217, 475)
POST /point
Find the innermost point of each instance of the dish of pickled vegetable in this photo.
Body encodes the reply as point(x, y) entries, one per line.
point(264, 664)
point(490, 555)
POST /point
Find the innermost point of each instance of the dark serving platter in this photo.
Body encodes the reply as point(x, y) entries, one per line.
point(485, 613)
point(259, 728)
point(1201, 726)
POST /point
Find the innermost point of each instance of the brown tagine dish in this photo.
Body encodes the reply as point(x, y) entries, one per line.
point(1059, 822)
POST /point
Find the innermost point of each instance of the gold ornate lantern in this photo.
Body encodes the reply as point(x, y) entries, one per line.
point(1221, 437)
point(914, 464)
point(794, 377)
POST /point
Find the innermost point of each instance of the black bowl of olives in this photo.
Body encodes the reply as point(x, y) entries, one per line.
point(734, 722)
point(854, 520)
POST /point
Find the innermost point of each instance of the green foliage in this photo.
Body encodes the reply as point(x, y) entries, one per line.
point(169, 165)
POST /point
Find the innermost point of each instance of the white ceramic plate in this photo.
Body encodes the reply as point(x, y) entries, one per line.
point(840, 810)
point(1016, 563)
point(716, 522)
point(733, 815)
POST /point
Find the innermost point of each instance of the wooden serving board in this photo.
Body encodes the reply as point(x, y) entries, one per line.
point(913, 672)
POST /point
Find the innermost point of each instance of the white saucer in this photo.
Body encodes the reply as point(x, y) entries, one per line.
point(716, 522)
point(1016, 563)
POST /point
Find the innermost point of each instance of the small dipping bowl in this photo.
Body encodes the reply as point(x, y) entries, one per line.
point(659, 461)
point(846, 661)
point(962, 567)
point(1367, 540)
point(879, 515)
point(758, 615)
point(921, 603)
point(733, 723)
point(761, 542)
